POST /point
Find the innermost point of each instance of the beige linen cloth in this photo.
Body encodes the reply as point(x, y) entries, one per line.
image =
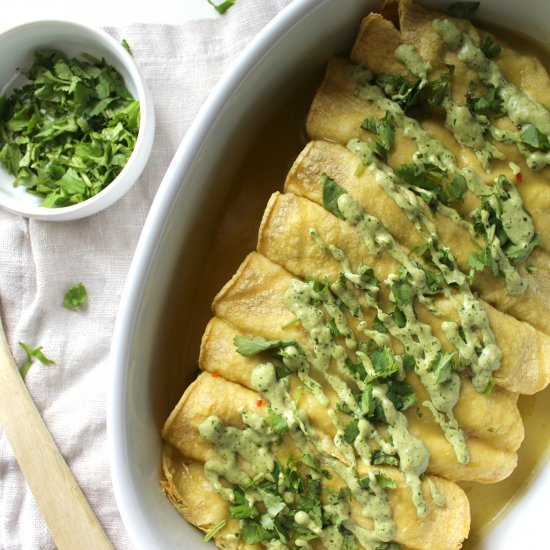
point(39, 260)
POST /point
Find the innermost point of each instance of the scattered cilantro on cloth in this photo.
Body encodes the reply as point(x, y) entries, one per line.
point(32, 354)
point(75, 297)
point(69, 132)
point(222, 7)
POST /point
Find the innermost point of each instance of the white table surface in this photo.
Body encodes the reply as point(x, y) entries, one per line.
point(107, 12)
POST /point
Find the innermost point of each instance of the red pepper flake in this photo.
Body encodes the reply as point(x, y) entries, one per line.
point(519, 177)
point(215, 374)
point(260, 402)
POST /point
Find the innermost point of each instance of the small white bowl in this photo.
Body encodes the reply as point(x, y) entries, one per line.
point(18, 46)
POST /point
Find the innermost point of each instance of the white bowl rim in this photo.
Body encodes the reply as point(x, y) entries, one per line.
point(144, 141)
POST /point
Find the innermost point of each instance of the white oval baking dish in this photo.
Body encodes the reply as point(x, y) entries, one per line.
point(183, 213)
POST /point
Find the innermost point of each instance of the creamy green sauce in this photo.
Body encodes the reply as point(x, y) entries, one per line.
point(473, 317)
point(433, 151)
point(520, 109)
point(465, 127)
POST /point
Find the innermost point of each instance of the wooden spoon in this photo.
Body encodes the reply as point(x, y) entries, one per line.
point(68, 515)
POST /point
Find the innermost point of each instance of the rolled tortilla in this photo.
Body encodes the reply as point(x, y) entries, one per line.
point(284, 238)
point(492, 418)
point(443, 527)
point(375, 46)
point(319, 157)
point(249, 304)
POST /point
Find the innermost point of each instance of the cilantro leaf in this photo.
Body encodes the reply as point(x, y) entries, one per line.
point(257, 344)
point(442, 367)
point(403, 293)
point(32, 354)
point(489, 388)
point(125, 45)
point(254, 533)
point(273, 502)
point(351, 431)
point(75, 297)
point(401, 394)
point(456, 188)
point(384, 362)
point(428, 177)
point(534, 137)
point(463, 10)
point(222, 7)
point(240, 508)
point(518, 253)
point(385, 482)
point(485, 104)
point(331, 192)
point(367, 402)
point(277, 422)
point(214, 530)
point(385, 130)
point(388, 546)
point(406, 94)
point(380, 457)
point(312, 463)
point(489, 48)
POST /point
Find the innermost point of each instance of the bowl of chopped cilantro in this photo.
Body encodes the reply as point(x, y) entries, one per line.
point(76, 120)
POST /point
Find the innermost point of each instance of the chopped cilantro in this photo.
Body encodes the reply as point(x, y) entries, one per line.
point(406, 94)
point(463, 10)
point(31, 354)
point(388, 546)
point(331, 192)
point(428, 177)
point(273, 502)
point(486, 104)
point(222, 7)
point(350, 543)
point(534, 137)
point(384, 128)
point(442, 367)
point(385, 482)
point(257, 344)
point(254, 533)
point(125, 45)
point(490, 385)
point(439, 88)
point(518, 253)
point(216, 528)
point(68, 133)
point(277, 422)
point(489, 48)
point(384, 362)
point(75, 297)
point(401, 394)
point(403, 293)
point(379, 326)
point(380, 457)
point(481, 259)
point(399, 318)
point(240, 508)
point(367, 402)
point(351, 431)
point(456, 188)
point(312, 463)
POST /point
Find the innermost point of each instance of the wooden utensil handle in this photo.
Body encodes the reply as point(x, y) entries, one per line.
point(68, 515)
